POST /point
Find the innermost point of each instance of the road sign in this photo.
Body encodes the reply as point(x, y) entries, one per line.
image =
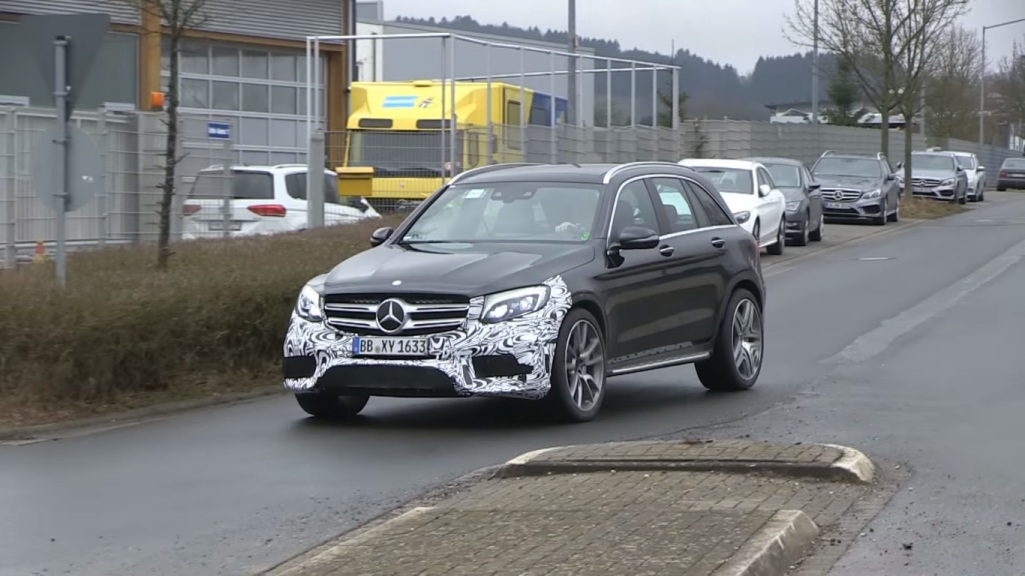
point(85, 168)
point(218, 130)
point(85, 34)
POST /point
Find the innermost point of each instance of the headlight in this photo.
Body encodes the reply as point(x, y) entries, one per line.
point(948, 182)
point(873, 194)
point(309, 306)
point(742, 217)
point(793, 206)
point(514, 303)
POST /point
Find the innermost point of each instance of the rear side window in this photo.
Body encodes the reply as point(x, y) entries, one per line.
point(295, 185)
point(716, 215)
point(244, 186)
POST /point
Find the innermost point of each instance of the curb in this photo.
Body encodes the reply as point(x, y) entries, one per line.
point(854, 466)
point(774, 549)
point(128, 417)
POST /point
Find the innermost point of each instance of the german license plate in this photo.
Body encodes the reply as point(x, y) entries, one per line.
point(921, 190)
point(834, 205)
point(233, 226)
point(379, 346)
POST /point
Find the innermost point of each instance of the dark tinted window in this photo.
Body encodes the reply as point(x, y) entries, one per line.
point(244, 186)
point(716, 215)
point(785, 175)
point(634, 208)
point(296, 186)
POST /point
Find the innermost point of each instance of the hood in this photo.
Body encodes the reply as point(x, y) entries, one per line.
point(467, 269)
point(853, 182)
point(932, 174)
point(792, 194)
point(739, 202)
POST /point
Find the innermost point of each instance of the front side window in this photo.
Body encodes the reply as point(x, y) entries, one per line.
point(734, 180)
point(509, 212)
point(676, 205)
point(966, 162)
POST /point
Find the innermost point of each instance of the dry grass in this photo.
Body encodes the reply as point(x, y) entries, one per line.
point(926, 209)
point(124, 335)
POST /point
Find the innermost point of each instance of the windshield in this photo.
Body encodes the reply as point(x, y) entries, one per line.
point(966, 162)
point(856, 167)
point(785, 175)
point(733, 180)
point(1015, 163)
point(244, 185)
point(509, 212)
point(399, 153)
point(932, 162)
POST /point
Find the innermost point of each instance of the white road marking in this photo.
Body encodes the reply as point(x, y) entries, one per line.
point(878, 340)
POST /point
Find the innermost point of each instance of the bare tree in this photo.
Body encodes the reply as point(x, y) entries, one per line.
point(952, 89)
point(920, 38)
point(865, 35)
point(177, 18)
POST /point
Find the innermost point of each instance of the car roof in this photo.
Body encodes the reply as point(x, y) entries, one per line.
point(596, 173)
point(775, 160)
point(718, 163)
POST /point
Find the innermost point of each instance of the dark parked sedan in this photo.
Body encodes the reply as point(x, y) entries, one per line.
point(535, 282)
point(1011, 175)
point(805, 219)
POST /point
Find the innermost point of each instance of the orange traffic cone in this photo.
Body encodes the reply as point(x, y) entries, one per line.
point(40, 251)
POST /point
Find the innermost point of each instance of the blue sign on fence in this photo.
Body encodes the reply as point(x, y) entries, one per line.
point(218, 130)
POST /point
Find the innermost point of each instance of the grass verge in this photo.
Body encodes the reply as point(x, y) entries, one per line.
point(926, 209)
point(122, 335)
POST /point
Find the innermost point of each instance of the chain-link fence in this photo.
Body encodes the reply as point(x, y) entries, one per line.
point(133, 144)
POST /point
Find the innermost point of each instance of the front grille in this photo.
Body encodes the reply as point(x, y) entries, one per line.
point(830, 195)
point(424, 313)
point(925, 182)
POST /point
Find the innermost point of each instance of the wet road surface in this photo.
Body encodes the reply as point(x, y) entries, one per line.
point(235, 490)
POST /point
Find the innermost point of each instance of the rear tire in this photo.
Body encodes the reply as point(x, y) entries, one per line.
point(331, 406)
point(578, 369)
point(736, 360)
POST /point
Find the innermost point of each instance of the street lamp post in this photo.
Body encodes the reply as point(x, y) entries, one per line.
point(982, 78)
point(815, 69)
point(571, 84)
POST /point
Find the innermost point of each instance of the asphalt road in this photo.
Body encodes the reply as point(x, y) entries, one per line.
point(235, 490)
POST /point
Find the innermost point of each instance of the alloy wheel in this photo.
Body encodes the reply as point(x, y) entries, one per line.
point(747, 338)
point(585, 365)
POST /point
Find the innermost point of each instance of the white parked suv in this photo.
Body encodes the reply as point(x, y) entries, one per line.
point(264, 200)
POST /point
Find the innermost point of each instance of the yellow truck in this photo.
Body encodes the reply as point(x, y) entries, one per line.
point(397, 145)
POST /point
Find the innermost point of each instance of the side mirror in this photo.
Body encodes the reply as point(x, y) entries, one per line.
point(899, 165)
point(814, 186)
point(980, 169)
point(638, 238)
point(960, 169)
point(764, 190)
point(891, 177)
point(380, 235)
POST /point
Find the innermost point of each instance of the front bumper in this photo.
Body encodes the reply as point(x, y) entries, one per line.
point(938, 193)
point(511, 359)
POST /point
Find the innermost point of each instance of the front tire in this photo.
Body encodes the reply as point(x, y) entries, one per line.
point(802, 234)
point(736, 360)
point(331, 406)
point(781, 238)
point(895, 217)
point(817, 234)
point(883, 209)
point(578, 369)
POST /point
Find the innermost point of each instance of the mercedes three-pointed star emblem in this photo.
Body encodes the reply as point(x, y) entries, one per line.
point(391, 316)
point(838, 195)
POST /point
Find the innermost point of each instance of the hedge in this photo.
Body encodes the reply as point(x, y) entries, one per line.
point(121, 327)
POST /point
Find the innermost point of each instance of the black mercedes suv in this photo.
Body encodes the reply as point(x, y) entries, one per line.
point(535, 282)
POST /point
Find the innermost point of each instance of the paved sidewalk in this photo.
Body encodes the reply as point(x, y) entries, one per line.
point(539, 517)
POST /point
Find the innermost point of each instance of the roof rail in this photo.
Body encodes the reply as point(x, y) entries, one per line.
point(827, 153)
point(616, 169)
point(491, 168)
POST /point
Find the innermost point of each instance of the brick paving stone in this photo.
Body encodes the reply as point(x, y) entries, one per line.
point(596, 523)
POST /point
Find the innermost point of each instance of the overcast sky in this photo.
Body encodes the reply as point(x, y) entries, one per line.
point(733, 32)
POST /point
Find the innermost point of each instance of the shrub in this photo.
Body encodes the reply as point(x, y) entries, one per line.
point(121, 327)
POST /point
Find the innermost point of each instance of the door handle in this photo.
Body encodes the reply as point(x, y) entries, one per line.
point(718, 242)
point(666, 250)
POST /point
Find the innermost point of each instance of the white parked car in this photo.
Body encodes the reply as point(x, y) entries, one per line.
point(749, 191)
point(976, 175)
point(264, 200)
